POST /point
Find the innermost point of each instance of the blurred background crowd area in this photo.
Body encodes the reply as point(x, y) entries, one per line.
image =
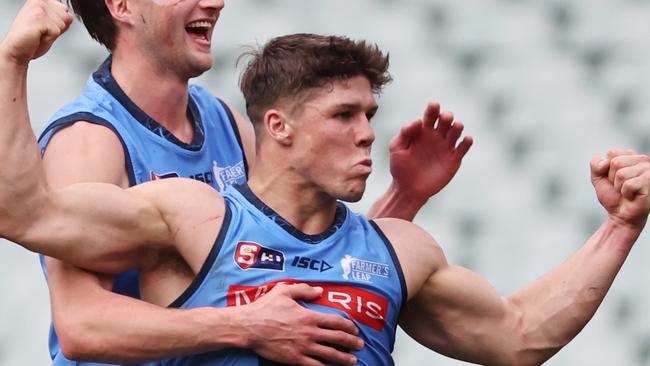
point(542, 86)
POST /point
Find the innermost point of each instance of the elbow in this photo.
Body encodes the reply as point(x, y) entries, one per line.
point(532, 338)
point(76, 341)
point(73, 346)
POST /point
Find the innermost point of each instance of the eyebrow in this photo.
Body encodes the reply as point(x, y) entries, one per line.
point(356, 107)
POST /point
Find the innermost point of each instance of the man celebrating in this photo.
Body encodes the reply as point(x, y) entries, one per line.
point(137, 120)
point(310, 98)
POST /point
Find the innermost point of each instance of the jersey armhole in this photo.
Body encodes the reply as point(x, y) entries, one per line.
point(235, 129)
point(209, 261)
point(69, 120)
point(398, 266)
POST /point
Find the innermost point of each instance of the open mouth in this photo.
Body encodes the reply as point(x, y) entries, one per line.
point(200, 30)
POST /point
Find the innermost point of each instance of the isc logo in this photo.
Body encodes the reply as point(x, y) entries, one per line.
point(252, 255)
point(313, 264)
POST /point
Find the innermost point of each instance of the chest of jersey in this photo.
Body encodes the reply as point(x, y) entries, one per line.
point(352, 262)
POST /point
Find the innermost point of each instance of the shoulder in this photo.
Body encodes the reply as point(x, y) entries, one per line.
point(417, 251)
point(181, 196)
point(85, 152)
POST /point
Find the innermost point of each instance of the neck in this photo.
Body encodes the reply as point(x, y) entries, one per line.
point(301, 203)
point(159, 93)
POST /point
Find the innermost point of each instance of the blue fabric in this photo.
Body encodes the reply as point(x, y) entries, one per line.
point(256, 249)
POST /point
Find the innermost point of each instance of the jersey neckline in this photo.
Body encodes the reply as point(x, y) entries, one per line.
point(105, 79)
point(339, 217)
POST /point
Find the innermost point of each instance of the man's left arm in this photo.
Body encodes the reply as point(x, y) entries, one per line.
point(424, 157)
point(460, 315)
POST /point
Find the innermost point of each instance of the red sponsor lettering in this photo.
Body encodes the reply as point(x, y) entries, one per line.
point(361, 305)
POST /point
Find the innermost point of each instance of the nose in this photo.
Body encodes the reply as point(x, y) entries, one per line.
point(365, 135)
point(212, 4)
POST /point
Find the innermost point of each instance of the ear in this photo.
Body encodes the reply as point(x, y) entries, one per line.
point(277, 126)
point(120, 11)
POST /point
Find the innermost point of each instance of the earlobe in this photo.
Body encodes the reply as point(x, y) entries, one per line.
point(277, 127)
point(120, 11)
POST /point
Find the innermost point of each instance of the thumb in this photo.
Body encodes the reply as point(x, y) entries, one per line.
point(599, 169)
point(407, 134)
point(303, 291)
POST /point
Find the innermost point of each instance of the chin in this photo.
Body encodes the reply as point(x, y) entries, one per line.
point(353, 195)
point(199, 66)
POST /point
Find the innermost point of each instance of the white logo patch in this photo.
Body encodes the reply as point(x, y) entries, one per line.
point(362, 270)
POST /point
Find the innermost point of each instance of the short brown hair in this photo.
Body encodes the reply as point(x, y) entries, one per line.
point(288, 66)
point(98, 20)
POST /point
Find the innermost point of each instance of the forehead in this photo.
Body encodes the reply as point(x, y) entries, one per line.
point(352, 91)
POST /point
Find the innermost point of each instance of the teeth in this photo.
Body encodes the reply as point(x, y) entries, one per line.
point(200, 24)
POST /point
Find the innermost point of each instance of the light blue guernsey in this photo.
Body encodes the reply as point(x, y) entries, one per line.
point(256, 249)
point(215, 156)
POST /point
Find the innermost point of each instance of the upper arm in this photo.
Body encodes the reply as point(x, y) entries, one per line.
point(449, 309)
point(85, 152)
point(247, 136)
point(97, 226)
point(459, 314)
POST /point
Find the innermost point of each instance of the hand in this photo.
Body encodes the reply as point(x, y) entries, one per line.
point(38, 24)
point(622, 183)
point(284, 331)
point(424, 156)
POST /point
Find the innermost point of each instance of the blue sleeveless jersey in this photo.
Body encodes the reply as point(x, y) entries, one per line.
point(215, 156)
point(256, 249)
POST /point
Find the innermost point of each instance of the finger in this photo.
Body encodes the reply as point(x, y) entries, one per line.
point(59, 4)
point(59, 13)
point(332, 355)
point(612, 153)
point(627, 173)
point(407, 134)
point(431, 114)
point(301, 291)
point(57, 24)
point(53, 32)
point(599, 168)
point(622, 161)
point(636, 187)
point(308, 361)
point(464, 146)
point(340, 339)
point(444, 123)
point(454, 133)
point(337, 322)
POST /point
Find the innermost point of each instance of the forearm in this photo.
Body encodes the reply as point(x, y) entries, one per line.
point(120, 329)
point(558, 305)
point(396, 203)
point(21, 178)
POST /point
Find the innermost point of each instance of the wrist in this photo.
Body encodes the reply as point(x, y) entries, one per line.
point(624, 227)
point(397, 202)
point(621, 233)
point(224, 326)
point(9, 61)
point(406, 195)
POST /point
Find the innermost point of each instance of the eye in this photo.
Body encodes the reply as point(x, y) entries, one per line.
point(344, 115)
